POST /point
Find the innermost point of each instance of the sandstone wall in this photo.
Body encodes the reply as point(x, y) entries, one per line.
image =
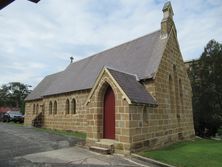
point(95, 115)
point(61, 119)
point(172, 120)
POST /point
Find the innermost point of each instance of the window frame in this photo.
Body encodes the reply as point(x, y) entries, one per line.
point(50, 108)
point(55, 108)
point(73, 106)
point(67, 107)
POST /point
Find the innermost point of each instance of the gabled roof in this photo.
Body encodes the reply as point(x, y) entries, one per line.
point(141, 57)
point(134, 90)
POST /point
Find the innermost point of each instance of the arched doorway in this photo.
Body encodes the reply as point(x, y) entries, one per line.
point(109, 114)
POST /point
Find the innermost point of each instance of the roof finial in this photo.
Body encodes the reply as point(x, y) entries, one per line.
point(167, 22)
point(71, 59)
point(167, 10)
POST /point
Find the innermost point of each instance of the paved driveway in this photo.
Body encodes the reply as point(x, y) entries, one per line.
point(17, 140)
point(26, 146)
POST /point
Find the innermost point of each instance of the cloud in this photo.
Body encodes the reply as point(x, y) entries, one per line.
point(38, 39)
point(197, 23)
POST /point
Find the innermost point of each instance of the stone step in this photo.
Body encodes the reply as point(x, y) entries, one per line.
point(105, 146)
point(100, 150)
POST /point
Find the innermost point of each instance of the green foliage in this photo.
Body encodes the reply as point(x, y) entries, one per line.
point(13, 95)
point(206, 80)
point(198, 153)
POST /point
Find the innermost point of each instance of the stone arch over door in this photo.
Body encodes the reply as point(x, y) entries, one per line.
point(95, 111)
point(109, 114)
point(100, 95)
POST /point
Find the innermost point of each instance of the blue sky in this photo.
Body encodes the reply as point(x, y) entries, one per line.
point(37, 39)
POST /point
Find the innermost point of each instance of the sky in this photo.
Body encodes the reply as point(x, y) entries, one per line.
point(38, 39)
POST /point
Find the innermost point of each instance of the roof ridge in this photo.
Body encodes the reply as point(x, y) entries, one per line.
point(54, 73)
point(122, 44)
point(121, 71)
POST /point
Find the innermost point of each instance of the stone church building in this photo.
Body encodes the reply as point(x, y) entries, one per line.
point(136, 95)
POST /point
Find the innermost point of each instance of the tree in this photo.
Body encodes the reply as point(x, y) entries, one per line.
point(206, 80)
point(13, 95)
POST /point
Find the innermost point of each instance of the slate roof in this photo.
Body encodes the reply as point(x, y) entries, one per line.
point(42, 86)
point(141, 57)
point(134, 90)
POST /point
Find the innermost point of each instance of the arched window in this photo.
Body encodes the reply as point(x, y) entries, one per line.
point(55, 108)
point(73, 106)
point(181, 94)
point(176, 93)
point(37, 108)
point(33, 109)
point(176, 88)
point(43, 108)
point(67, 106)
point(50, 107)
point(171, 94)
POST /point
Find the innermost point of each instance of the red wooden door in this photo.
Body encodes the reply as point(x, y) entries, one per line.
point(109, 114)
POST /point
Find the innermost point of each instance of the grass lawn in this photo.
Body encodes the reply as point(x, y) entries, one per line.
point(80, 135)
point(198, 153)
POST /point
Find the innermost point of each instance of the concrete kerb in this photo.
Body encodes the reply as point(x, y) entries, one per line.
point(150, 161)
